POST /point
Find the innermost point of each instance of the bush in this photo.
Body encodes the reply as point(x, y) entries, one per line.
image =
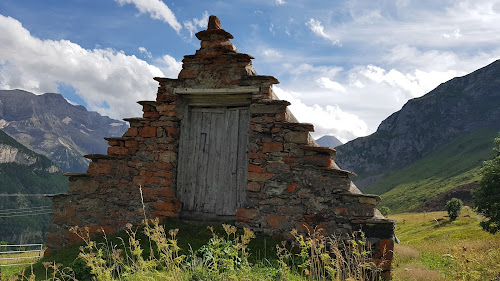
point(453, 207)
point(385, 211)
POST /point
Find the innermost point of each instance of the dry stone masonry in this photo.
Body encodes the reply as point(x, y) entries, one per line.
point(217, 144)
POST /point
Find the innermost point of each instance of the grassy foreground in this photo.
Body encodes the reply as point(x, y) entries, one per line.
point(200, 252)
point(433, 248)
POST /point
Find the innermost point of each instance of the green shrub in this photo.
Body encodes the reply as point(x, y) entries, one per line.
point(453, 207)
point(385, 211)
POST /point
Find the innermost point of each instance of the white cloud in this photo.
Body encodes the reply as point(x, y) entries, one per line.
point(318, 29)
point(327, 83)
point(169, 65)
point(269, 52)
point(327, 119)
point(99, 76)
point(194, 25)
point(156, 10)
point(145, 52)
point(280, 2)
point(387, 23)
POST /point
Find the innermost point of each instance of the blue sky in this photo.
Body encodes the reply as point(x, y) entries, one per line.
point(344, 65)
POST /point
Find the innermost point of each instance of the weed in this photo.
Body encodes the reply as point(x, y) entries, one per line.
point(328, 258)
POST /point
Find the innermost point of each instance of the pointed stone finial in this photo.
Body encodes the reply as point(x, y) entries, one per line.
point(213, 23)
point(214, 31)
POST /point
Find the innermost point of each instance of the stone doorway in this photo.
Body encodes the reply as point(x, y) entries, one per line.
point(213, 162)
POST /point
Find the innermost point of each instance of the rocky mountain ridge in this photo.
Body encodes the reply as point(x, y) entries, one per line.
point(461, 105)
point(48, 124)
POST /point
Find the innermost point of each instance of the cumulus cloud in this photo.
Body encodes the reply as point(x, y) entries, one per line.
point(156, 10)
point(335, 100)
point(327, 119)
point(109, 81)
point(169, 65)
point(194, 25)
point(327, 83)
point(280, 2)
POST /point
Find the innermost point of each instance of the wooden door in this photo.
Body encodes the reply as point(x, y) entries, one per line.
point(213, 166)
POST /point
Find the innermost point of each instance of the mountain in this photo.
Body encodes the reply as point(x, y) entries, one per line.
point(432, 143)
point(328, 141)
point(25, 174)
point(49, 125)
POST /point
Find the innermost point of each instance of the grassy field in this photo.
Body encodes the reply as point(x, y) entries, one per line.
point(433, 248)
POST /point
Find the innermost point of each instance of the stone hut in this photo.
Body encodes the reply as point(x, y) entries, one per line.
point(217, 144)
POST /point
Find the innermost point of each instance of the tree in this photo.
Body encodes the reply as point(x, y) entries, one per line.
point(453, 207)
point(487, 195)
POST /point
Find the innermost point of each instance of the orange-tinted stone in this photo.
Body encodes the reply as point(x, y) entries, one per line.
point(254, 168)
point(303, 227)
point(255, 155)
point(131, 132)
point(147, 132)
point(276, 221)
point(291, 187)
point(259, 176)
point(164, 174)
point(118, 150)
point(320, 160)
point(153, 114)
point(245, 215)
point(131, 143)
point(166, 206)
point(272, 147)
point(253, 186)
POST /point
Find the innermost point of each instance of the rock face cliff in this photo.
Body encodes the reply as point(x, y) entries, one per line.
point(461, 105)
point(51, 126)
point(13, 152)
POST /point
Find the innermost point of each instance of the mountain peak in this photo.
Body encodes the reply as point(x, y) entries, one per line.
point(50, 125)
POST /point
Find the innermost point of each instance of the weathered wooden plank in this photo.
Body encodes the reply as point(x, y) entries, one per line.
point(210, 190)
point(243, 131)
point(182, 158)
point(202, 173)
point(193, 162)
point(230, 186)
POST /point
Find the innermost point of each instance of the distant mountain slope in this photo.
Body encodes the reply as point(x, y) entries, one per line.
point(328, 141)
point(457, 107)
point(24, 173)
point(51, 126)
point(448, 167)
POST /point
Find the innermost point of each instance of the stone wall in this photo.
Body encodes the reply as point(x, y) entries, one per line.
point(292, 182)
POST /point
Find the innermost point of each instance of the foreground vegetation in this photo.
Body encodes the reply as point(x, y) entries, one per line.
point(432, 248)
point(224, 257)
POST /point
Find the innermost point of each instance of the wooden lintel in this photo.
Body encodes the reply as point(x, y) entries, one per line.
point(223, 91)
